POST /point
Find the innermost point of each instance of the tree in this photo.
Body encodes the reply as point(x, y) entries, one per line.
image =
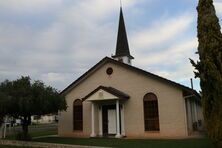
point(3, 106)
point(209, 68)
point(26, 99)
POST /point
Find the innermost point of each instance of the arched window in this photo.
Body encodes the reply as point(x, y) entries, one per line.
point(77, 115)
point(151, 114)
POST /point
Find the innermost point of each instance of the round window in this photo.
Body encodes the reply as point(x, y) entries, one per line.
point(109, 71)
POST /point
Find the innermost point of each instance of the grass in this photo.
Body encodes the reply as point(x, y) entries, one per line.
point(131, 143)
point(123, 143)
point(43, 133)
point(35, 134)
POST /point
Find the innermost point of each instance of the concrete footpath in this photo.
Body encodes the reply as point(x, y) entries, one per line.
point(42, 145)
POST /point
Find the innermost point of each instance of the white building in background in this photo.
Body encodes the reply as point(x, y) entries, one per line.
point(45, 119)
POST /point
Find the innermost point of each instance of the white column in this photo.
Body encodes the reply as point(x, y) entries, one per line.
point(93, 121)
point(117, 120)
point(100, 122)
point(122, 122)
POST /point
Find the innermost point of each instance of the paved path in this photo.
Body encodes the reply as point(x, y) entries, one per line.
point(46, 136)
point(42, 145)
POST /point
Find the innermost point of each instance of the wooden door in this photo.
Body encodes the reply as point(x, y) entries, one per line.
point(112, 121)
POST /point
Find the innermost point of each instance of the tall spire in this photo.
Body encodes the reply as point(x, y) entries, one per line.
point(122, 47)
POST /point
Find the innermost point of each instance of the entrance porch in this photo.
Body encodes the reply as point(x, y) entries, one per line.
point(107, 112)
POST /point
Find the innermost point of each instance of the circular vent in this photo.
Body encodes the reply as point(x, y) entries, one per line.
point(109, 71)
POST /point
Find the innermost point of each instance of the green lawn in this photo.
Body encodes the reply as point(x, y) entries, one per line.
point(131, 143)
point(43, 133)
point(36, 134)
point(127, 143)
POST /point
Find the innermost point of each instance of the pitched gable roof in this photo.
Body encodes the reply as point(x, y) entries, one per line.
point(107, 59)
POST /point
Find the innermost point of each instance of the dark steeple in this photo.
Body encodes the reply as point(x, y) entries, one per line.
point(122, 47)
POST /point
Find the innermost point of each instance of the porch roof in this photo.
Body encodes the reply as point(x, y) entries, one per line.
point(105, 93)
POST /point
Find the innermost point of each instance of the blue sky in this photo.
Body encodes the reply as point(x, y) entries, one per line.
point(56, 41)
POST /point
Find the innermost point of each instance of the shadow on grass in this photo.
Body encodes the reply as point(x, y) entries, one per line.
point(131, 143)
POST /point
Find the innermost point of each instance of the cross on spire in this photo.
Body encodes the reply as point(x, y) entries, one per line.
point(120, 3)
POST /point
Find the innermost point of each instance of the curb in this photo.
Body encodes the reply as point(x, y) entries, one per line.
point(42, 144)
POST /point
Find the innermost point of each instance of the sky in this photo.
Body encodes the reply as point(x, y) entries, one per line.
point(56, 41)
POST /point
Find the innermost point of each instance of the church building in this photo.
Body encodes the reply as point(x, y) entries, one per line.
point(116, 99)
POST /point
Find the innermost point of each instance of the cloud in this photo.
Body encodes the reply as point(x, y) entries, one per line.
point(174, 56)
point(218, 7)
point(164, 48)
point(53, 77)
point(60, 50)
point(162, 30)
point(56, 41)
point(173, 62)
point(27, 5)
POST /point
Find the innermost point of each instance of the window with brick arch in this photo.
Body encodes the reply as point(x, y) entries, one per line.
point(151, 114)
point(77, 115)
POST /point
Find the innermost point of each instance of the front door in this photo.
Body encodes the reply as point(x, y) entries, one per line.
point(112, 121)
point(105, 121)
point(109, 119)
